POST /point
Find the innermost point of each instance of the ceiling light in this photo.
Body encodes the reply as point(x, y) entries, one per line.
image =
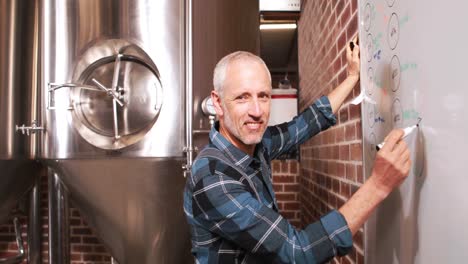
point(277, 26)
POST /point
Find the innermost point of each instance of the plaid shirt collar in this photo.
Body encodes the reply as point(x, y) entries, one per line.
point(237, 156)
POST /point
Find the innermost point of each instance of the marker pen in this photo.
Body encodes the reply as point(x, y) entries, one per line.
point(406, 131)
point(352, 44)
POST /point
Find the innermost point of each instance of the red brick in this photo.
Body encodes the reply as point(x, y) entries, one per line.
point(340, 134)
point(346, 15)
point(75, 256)
point(344, 116)
point(284, 167)
point(345, 260)
point(75, 221)
point(276, 166)
point(358, 239)
point(356, 152)
point(90, 240)
point(92, 257)
point(332, 168)
point(328, 183)
point(326, 167)
point(344, 152)
point(354, 5)
point(354, 111)
point(350, 132)
point(335, 152)
point(337, 65)
point(353, 189)
point(293, 167)
point(352, 27)
point(283, 179)
point(323, 153)
point(291, 206)
point(342, 76)
point(360, 258)
point(351, 172)
point(81, 231)
point(336, 186)
point(75, 239)
point(339, 7)
point(341, 40)
point(291, 188)
point(285, 197)
point(331, 136)
point(280, 206)
point(277, 187)
point(359, 174)
point(82, 248)
point(7, 237)
point(288, 214)
point(359, 130)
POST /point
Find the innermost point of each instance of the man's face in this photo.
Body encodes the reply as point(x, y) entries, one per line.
point(244, 108)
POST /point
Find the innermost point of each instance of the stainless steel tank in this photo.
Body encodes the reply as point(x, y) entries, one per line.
point(18, 61)
point(112, 85)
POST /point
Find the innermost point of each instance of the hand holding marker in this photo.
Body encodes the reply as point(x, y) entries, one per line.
point(406, 131)
point(351, 44)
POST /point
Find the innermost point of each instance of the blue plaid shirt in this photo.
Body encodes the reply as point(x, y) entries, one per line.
point(234, 218)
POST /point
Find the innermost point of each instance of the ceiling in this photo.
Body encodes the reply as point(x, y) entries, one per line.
point(278, 47)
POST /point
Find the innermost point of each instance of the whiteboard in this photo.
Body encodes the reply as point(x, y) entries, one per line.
point(414, 64)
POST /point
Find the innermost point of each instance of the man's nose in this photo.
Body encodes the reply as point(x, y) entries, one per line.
point(255, 108)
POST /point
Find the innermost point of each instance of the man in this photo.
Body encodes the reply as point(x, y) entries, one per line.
point(229, 199)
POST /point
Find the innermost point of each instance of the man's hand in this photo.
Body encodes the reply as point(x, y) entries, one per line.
point(352, 56)
point(392, 166)
point(392, 163)
point(341, 92)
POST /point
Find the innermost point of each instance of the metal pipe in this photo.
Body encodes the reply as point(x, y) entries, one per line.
point(34, 224)
point(188, 86)
point(115, 85)
point(19, 241)
point(59, 252)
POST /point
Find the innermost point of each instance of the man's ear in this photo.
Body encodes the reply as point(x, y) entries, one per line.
point(217, 103)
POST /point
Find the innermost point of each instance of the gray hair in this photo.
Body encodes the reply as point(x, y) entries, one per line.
point(219, 75)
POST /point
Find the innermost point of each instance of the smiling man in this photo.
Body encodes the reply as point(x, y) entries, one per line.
point(229, 199)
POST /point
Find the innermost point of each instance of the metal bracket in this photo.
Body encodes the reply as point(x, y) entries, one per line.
point(54, 87)
point(188, 166)
point(28, 130)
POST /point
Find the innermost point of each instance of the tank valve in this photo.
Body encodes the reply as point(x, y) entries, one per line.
point(29, 129)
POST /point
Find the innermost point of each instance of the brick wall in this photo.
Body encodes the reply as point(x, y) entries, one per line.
point(331, 162)
point(286, 186)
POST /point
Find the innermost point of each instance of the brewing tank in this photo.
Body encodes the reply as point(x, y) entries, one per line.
point(18, 62)
point(112, 89)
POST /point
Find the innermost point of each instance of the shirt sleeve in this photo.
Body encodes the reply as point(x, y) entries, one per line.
point(281, 138)
point(228, 208)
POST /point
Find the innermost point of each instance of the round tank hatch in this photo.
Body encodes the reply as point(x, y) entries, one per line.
point(125, 102)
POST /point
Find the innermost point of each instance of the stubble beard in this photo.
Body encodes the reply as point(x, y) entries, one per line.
point(229, 125)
